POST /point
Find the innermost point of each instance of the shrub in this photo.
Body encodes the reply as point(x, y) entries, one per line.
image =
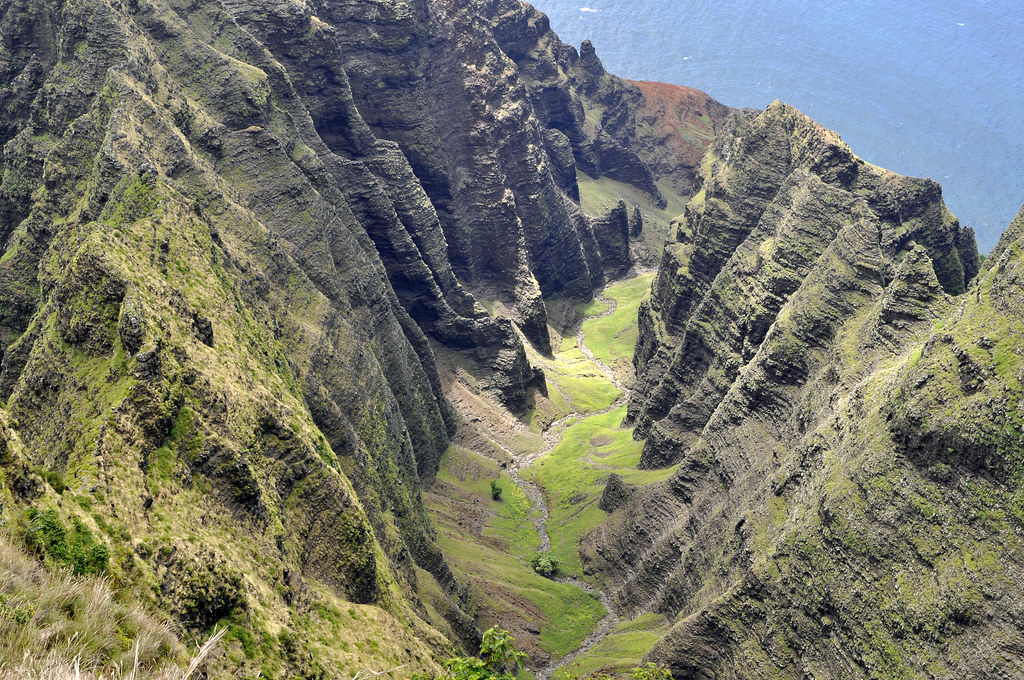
point(498, 657)
point(52, 477)
point(545, 564)
point(77, 548)
point(496, 490)
point(202, 589)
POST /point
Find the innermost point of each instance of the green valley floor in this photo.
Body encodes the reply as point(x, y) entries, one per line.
point(510, 489)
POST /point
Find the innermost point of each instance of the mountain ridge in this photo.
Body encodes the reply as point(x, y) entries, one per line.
point(240, 240)
point(222, 291)
point(830, 515)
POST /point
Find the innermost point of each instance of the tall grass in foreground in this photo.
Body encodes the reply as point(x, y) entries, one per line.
point(56, 626)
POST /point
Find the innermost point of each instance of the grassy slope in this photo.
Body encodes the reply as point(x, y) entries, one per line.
point(247, 367)
point(573, 476)
point(613, 338)
point(490, 543)
point(577, 380)
point(75, 618)
point(598, 196)
point(621, 651)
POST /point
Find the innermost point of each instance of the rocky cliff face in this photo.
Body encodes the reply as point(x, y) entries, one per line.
point(784, 204)
point(845, 421)
point(208, 317)
point(639, 133)
point(496, 115)
point(431, 77)
point(233, 232)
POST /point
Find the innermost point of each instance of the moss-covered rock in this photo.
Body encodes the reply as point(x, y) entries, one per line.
point(211, 331)
point(846, 430)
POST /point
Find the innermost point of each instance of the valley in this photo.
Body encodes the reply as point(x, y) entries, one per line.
point(552, 468)
point(332, 328)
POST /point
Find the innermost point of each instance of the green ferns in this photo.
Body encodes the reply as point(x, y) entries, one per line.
point(45, 533)
point(499, 657)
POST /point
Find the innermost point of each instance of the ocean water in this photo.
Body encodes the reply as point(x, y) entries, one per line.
point(923, 88)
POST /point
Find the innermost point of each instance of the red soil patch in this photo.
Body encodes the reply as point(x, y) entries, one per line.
point(686, 118)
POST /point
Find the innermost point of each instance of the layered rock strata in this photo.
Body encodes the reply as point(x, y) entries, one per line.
point(641, 133)
point(234, 233)
point(215, 323)
point(782, 198)
point(842, 404)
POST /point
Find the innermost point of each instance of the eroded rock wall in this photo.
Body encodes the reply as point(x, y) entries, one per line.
point(215, 325)
point(782, 199)
point(842, 415)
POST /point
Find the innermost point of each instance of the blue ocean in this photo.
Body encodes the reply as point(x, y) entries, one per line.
point(923, 88)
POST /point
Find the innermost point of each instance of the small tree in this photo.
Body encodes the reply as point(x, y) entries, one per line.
point(545, 564)
point(497, 661)
point(495, 490)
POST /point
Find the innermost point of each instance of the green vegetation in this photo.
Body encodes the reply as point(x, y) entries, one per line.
point(574, 473)
point(622, 650)
point(496, 490)
point(492, 543)
point(498, 657)
point(52, 477)
point(650, 671)
point(593, 307)
point(577, 379)
point(613, 338)
point(545, 564)
point(138, 201)
point(77, 549)
point(79, 619)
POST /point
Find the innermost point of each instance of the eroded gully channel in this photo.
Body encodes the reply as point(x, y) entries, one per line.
point(539, 512)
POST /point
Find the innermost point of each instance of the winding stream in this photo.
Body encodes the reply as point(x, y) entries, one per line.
point(539, 512)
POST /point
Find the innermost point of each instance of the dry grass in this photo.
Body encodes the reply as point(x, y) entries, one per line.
point(56, 626)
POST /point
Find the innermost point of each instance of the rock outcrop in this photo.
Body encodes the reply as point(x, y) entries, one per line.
point(784, 205)
point(616, 493)
point(431, 77)
point(641, 133)
point(234, 235)
point(842, 403)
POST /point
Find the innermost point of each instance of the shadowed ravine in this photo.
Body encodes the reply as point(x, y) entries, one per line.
point(288, 349)
point(539, 513)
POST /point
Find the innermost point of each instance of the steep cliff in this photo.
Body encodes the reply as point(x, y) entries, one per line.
point(234, 233)
point(496, 116)
point(430, 76)
point(781, 199)
point(641, 133)
point(210, 338)
point(845, 420)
